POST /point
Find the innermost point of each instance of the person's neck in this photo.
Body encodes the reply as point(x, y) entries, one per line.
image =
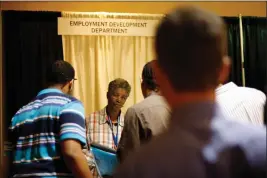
point(112, 113)
point(220, 85)
point(150, 92)
point(192, 97)
point(59, 87)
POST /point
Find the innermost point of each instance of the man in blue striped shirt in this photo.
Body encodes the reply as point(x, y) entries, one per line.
point(48, 133)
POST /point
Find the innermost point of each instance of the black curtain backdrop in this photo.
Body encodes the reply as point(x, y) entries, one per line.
point(30, 44)
point(265, 114)
point(234, 48)
point(255, 52)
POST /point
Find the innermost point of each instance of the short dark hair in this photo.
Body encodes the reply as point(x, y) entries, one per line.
point(148, 76)
point(119, 83)
point(60, 72)
point(190, 44)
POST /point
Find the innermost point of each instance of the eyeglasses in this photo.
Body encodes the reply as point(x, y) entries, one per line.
point(73, 80)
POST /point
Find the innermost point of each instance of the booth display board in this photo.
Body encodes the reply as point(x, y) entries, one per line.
point(106, 26)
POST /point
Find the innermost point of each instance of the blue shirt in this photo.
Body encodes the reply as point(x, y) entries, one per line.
point(227, 134)
point(201, 142)
point(37, 130)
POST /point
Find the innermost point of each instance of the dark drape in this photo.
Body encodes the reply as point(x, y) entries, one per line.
point(255, 52)
point(265, 113)
point(234, 48)
point(30, 44)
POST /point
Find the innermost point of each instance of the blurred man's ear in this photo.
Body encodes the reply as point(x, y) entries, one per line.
point(225, 70)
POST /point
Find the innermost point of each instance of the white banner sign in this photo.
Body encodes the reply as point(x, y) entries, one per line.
point(107, 27)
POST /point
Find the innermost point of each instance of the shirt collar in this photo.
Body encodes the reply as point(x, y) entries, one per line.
point(152, 93)
point(225, 87)
point(49, 90)
point(104, 117)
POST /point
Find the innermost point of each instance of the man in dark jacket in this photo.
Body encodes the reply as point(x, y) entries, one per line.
point(146, 119)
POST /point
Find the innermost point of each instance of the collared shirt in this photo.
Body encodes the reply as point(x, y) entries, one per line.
point(37, 130)
point(200, 142)
point(241, 103)
point(99, 131)
point(143, 121)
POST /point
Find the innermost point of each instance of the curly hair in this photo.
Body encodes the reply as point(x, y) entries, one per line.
point(119, 83)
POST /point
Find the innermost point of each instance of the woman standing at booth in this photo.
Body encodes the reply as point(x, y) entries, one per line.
point(104, 127)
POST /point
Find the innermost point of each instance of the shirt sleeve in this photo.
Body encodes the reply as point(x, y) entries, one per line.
point(72, 123)
point(130, 137)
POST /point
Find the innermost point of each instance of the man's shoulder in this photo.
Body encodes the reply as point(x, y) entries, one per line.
point(240, 90)
point(151, 101)
point(169, 142)
point(98, 112)
point(71, 98)
point(64, 103)
point(97, 115)
point(55, 100)
point(253, 90)
point(250, 138)
point(56, 96)
point(153, 110)
point(250, 92)
point(171, 151)
point(241, 130)
point(250, 98)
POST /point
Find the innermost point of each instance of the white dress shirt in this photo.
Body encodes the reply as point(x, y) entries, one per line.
point(241, 103)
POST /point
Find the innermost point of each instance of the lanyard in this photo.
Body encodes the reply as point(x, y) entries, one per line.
point(115, 137)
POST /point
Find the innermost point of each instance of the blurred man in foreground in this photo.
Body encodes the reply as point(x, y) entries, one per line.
point(191, 48)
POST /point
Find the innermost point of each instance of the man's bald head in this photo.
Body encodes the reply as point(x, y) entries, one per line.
point(190, 47)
